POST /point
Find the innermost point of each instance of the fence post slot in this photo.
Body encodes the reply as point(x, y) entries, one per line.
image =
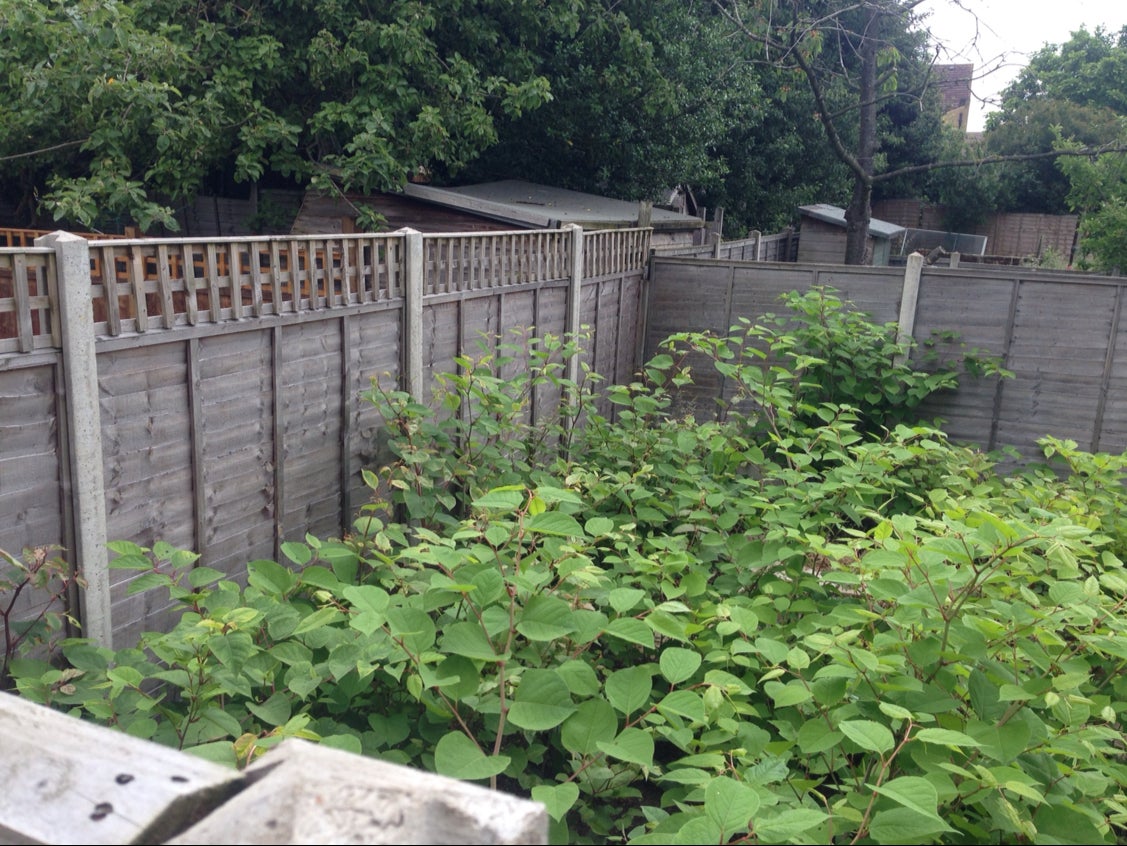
point(908, 297)
point(571, 324)
point(413, 279)
point(80, 375)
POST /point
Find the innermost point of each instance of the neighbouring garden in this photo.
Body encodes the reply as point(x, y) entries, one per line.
point(802, 616)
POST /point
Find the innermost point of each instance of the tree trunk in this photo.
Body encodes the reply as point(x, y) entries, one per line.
point(860, 212)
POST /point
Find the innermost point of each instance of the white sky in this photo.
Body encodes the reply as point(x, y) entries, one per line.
point(1008, 32)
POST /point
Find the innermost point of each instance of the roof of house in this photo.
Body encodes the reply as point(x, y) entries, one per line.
point(528, 204)
point(836, 216)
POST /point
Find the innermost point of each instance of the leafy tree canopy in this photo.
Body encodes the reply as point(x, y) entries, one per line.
point(117, 112)
point(122, 109)
point(1075, 90)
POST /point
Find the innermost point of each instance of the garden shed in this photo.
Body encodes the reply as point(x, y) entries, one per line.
point(822, 236)
point(496, 206)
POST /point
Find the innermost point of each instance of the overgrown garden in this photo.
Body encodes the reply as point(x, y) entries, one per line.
point(802, 616)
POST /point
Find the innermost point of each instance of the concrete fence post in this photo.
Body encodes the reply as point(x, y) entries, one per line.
point(908, 298)
point(70, 781)
point(716, 241)
point(414, 277)
point(80, 378)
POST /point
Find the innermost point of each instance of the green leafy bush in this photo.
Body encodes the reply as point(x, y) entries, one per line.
point(779, 625)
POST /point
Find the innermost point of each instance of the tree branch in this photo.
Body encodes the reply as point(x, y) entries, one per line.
point(51, 149)
point(1017, 157)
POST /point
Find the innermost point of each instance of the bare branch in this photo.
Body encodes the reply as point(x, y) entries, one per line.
point(42, 150)
point(1002, 159)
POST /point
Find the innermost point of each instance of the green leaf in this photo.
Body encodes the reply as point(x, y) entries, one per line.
point(501, 499)
point(623, 599)
point(632, 631)
point(275, 711)
point(147, 581)
point(787, 824)
point(678, 664)
point(346, 742)
point(367, 598)
point(912, 792)
point(784, 695)
point(320, 577)
point(203, 576)
point(542, 701)
point(598, 526)
point(457, 756)
point(816, 736)
point(556, 798)
point(222, 752)
point(546, 618)
point(555, 523)
point(298, 553)
point(222, 724)
point(314, 621)
point(593, 722)
point(903, 825)
point(413, 627)
point(468, 639)
point(772, 650)
point(945, 737)
point(684, 703)
point(868, 735)
point(633, 745)
point(730, 804)
point(580, 678)
point(1065, 824)
point(457, 676)
point(629, 690)
point(272, 578)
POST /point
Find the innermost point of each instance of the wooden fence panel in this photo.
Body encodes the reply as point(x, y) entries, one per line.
point(147, 426)
point(1112, 432)
point(236, 497)
point(310, 384)
point(31, 470)
point(374, 354)
point(1057, 351)
point(1058, 333)
point(229, 375)
point(976, 308)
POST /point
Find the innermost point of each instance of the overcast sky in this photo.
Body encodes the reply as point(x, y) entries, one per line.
point(1008, 32)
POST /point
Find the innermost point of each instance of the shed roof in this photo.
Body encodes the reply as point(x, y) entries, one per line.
point(836, 216)
point(530, 204)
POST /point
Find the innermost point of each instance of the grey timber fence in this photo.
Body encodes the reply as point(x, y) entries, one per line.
point(205, 392)
point(1061, 334)
point(782, 246)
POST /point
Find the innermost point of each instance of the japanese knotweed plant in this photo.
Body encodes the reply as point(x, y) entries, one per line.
point(681, 632)
point(498, 417)
point(786, 368)
point(36, 588)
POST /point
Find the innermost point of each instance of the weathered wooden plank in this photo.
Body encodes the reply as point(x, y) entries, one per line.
point(27, 469)
point(152, 509)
